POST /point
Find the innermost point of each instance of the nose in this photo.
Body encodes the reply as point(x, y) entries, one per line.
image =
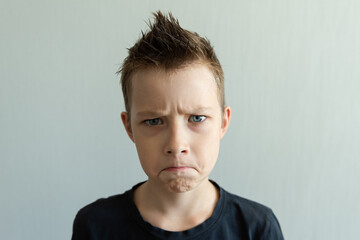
point(176, 142)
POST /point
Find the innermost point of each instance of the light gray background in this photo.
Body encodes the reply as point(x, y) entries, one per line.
point(292, 80)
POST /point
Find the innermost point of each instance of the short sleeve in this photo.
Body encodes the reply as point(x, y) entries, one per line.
point(271, 229)
point(80, 230)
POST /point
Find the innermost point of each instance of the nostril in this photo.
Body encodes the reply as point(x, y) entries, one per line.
point(171, 151)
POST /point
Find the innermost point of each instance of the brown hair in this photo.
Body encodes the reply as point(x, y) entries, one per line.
point(167, 45)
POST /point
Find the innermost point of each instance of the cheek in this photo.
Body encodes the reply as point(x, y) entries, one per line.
point(144, 144)
point(206, 150)
point(146, 149)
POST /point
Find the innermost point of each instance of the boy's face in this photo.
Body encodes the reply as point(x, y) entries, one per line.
point(176, 125)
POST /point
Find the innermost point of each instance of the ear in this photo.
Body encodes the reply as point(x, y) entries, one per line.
point(225, 121)
point(126, 121)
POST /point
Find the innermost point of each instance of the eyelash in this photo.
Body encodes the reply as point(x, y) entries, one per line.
point(148, 121)
point(203, 118)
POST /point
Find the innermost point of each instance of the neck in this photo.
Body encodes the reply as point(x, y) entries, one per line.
point(176, 211)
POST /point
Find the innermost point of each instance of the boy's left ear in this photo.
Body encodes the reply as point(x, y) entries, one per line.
point(225, 121)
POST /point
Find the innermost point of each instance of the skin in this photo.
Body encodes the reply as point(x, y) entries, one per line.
point(176, 124)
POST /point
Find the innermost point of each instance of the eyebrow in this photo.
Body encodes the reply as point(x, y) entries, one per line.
point(150, 113)
point(162, 113)
point(200, 109)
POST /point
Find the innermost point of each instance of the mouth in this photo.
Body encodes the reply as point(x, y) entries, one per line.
point(174, 169)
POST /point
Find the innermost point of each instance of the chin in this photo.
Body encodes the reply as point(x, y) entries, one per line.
point(181, 184)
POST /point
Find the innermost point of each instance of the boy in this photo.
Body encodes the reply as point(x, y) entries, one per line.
point(173, 88)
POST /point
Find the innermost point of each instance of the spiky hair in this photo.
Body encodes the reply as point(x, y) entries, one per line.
point(167, 45)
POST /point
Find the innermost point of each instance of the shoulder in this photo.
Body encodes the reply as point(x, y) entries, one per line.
point(100, 215)
point(260, 221)
point(104, 207)
point(106, 218)
point(248, 207)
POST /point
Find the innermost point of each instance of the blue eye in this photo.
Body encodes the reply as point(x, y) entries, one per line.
point(197, 118)
point(153, 122)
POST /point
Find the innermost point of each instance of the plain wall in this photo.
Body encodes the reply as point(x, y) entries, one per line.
point(292, 73)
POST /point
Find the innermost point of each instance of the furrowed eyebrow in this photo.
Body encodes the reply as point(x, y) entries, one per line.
point(162, 113)
point(201, 109)
point(149, 113)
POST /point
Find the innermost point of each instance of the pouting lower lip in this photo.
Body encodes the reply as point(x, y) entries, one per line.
point(175, 168)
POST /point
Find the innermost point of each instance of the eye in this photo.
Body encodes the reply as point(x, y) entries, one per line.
point(153, 122)
point(197, 118)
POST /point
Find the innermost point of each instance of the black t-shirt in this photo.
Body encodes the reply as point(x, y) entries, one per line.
point(117, 217)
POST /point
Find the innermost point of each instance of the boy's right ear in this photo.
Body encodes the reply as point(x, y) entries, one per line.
point(126, 121)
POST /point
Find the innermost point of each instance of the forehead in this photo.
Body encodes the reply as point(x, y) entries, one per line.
point(189, 87)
